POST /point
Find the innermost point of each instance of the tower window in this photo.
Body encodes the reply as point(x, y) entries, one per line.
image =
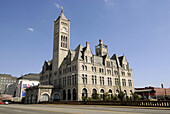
point(63, 41)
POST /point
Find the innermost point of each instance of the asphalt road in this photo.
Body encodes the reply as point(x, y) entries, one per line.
point(78, 109)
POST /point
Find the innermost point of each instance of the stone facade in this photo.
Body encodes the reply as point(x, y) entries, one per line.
point(38, 93)
point(78, 73)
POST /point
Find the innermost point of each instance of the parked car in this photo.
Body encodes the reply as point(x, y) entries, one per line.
point(1, 102)
point(6, 102)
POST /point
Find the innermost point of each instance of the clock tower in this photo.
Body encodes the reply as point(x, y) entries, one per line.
point(61, 43)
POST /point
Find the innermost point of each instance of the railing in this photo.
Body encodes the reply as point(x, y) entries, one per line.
point(116, 103)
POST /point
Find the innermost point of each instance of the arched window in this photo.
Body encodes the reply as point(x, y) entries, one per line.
point(102, 93)
point(125, 93)
point(94, 69)
point(69, 94)
point(74, 94)
point(94, 94)
point(86, 68)
point(131, 93)
point(117, 92)
point(94, 91)
point(82, 67)
point(56, 97)
point(110, 92)
point(84, 93)
point(45, 97)
point(64, 94)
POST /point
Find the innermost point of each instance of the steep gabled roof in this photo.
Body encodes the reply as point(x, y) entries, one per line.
point(78, 52)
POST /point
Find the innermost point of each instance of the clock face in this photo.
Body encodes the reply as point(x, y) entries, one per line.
point(64, 29)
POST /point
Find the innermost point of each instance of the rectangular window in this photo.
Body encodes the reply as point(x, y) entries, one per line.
point(107, 63)
point(123, 82)
point(85, 59)
point(116, 72)
point(116, 82)
point(130, 83)
point(91, 60)
point(101, 80)
point(123, 73)
point(109, 81)
point(100, 70)
point(74, 79)
point(95, 78)
point(92, 79)
point(84, 78)
point(60, 81)
point(55, 82)
point(129, 74)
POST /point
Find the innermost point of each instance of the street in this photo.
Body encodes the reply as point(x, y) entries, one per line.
point(78, 109)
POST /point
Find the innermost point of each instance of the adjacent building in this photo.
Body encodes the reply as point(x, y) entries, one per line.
point(21, 86)
point(6, 79)
point(153, 92)
point(30, 76)
point(73, 74)
point(17, 89)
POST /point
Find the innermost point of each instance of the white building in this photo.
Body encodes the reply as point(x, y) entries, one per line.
point(21, 85)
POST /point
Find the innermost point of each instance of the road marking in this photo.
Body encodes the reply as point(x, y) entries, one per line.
point(138, 107)
point(92, 110)
point(17, 110)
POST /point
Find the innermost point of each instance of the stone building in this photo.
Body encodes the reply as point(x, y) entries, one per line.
point(78, 73)
point(5, 80)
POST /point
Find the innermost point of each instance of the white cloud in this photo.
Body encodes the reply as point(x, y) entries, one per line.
point(30, 29)
point(109, 2)
point(57, 5)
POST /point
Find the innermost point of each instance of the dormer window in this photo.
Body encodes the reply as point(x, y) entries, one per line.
point(82, 67)
point(107, 63)
point(85, 59)
point(91, 60)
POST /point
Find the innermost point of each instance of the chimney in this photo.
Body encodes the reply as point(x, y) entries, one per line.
point(162, 85)
point(88, 45)
point(100, 41)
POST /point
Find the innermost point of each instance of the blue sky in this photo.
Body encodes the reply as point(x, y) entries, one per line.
point(140, 29)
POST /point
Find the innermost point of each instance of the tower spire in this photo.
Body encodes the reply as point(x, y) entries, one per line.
point(61, 9)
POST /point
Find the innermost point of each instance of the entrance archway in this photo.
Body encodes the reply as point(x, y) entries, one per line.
point(74, 94)
point(56, 97)
point(64, 94)
point(84, 93)
point(45, 97)
point(69, 94)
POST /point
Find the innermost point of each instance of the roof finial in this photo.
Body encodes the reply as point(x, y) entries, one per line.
point(61, 9)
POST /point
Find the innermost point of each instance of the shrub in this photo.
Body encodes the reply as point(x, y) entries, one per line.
point(121, 95)
point(135, 96)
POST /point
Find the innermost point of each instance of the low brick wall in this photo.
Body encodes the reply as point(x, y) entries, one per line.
point(116, 103)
